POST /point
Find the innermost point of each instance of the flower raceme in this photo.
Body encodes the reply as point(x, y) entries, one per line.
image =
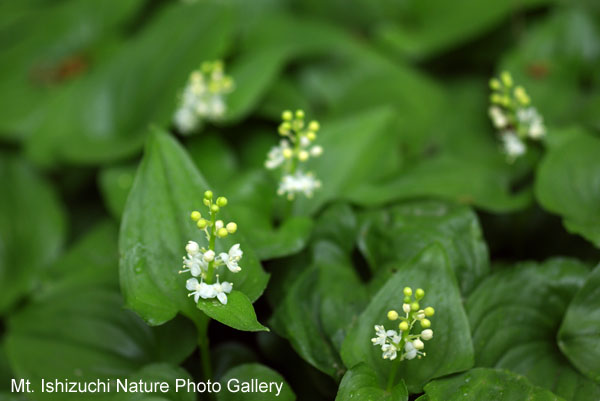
point(203, 97)
point(514, 117)
point(295, 148)
point(203, 262)
point(404, 344)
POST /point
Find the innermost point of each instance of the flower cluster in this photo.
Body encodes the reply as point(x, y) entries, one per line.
point(295, 147)
point(403, 342)
point(203, 97)
point(202, 262)
point(512, 114)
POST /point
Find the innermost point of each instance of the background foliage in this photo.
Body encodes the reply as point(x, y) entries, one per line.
point(415, 192)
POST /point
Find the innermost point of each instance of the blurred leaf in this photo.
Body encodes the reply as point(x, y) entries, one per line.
point(254, 371)
point(338, 224)
point(56, 47)
point(567, 184)
point(105, 117)
point(158, 373)
point(515, 315)
point(579, 335)
point(92, 260)
point(487, 384)
point(32, 229)
point(115, 183)
point(155, 228)
point(449, 351)
point(238, 313)
point(401, 232)
point(227, 355)
point(84, 334)
point(316, 311)
point(362, 383)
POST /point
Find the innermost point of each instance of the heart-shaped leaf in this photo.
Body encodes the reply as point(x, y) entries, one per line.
point(362, 383)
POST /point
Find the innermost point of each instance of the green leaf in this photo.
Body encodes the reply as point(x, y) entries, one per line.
point(105, 117)
point(579, 335)
point(237, 313)
point(515, 315)
point(567, 184)
point(84, 334)
point(233, 382)
point(351, 155)
point(362, 383)
point(32, 228)
point(92, 260)
point(155, 228)
point(487, 384)
point(159, 372)
point(316, 311)
point(449, 351)
point(115, 183)
point(228, 355)
point(401, 232)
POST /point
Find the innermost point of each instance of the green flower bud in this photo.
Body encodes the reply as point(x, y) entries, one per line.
point(429, 311)
point(407, 300)
point(403, 326)
point(214, 208)
point(195, 215)
point(222, 232)
point(222, 201)
point(392, 315)
point(206, 202)
point(419, 294)
point(314, 126)
point(425, 323)
point(287, 115)
point(208, 195)
point(231, 227)
point(300, 114)
point(494, 84)
point(202, 223)
point(506, 78)
point(414, 306)
point(407, 291)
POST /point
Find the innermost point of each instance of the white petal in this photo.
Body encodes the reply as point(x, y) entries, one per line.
point(222, 297)
point(191, 284)
point(226, 286)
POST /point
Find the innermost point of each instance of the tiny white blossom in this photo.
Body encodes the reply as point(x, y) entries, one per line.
point(232, 258)
point(427, 334)
point(221, 290)
point(534, 122)
point(209, 256)
point(298, 182)
point(513, 146)
point(276, 155)
point(411, 351)
point(195, 264)
point(316, 151)
point(192, 248)
point(219, 224)
point(200, 289)
point(389, 351)
point(406, 308)
point(498, 117)
point(380, 334)
point(185, 119)
point(418, 344)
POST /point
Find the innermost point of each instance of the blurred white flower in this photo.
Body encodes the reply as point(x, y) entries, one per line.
point(513, 146)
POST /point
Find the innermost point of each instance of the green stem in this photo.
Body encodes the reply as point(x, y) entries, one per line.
point(211, 246)
point(390, 384)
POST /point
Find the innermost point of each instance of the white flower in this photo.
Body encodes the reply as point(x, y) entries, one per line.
point(418, 344)
point(389, 351)
point(299, 182)
point(195, 264)
point(221, 290)
point(406, 308)
point(427, 334)
point(411, 351)
point(533, 121)
point(316, 151)
point(498, 117)
point(513, 146)
point(209, 256)
point(232, 258)
point(192, 248)
point(537, 130)
point(381, 335)
point(276, 155)
point(185, 120)
point(200, 289)
point(219, 224)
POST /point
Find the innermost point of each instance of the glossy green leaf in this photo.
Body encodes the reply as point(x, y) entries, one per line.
point(32, 228)
point(106, 116)
point(316, 311)
point(228, 355)
point(487, 384)
point(449, 351)
point(567, 184)
point(84, 334)
point(515, 315)
point(361, 383)
point(155, 228)
point(579, 335)
point(233, 381)
point(401, 232)
point(159, 372)
point(237, 313)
